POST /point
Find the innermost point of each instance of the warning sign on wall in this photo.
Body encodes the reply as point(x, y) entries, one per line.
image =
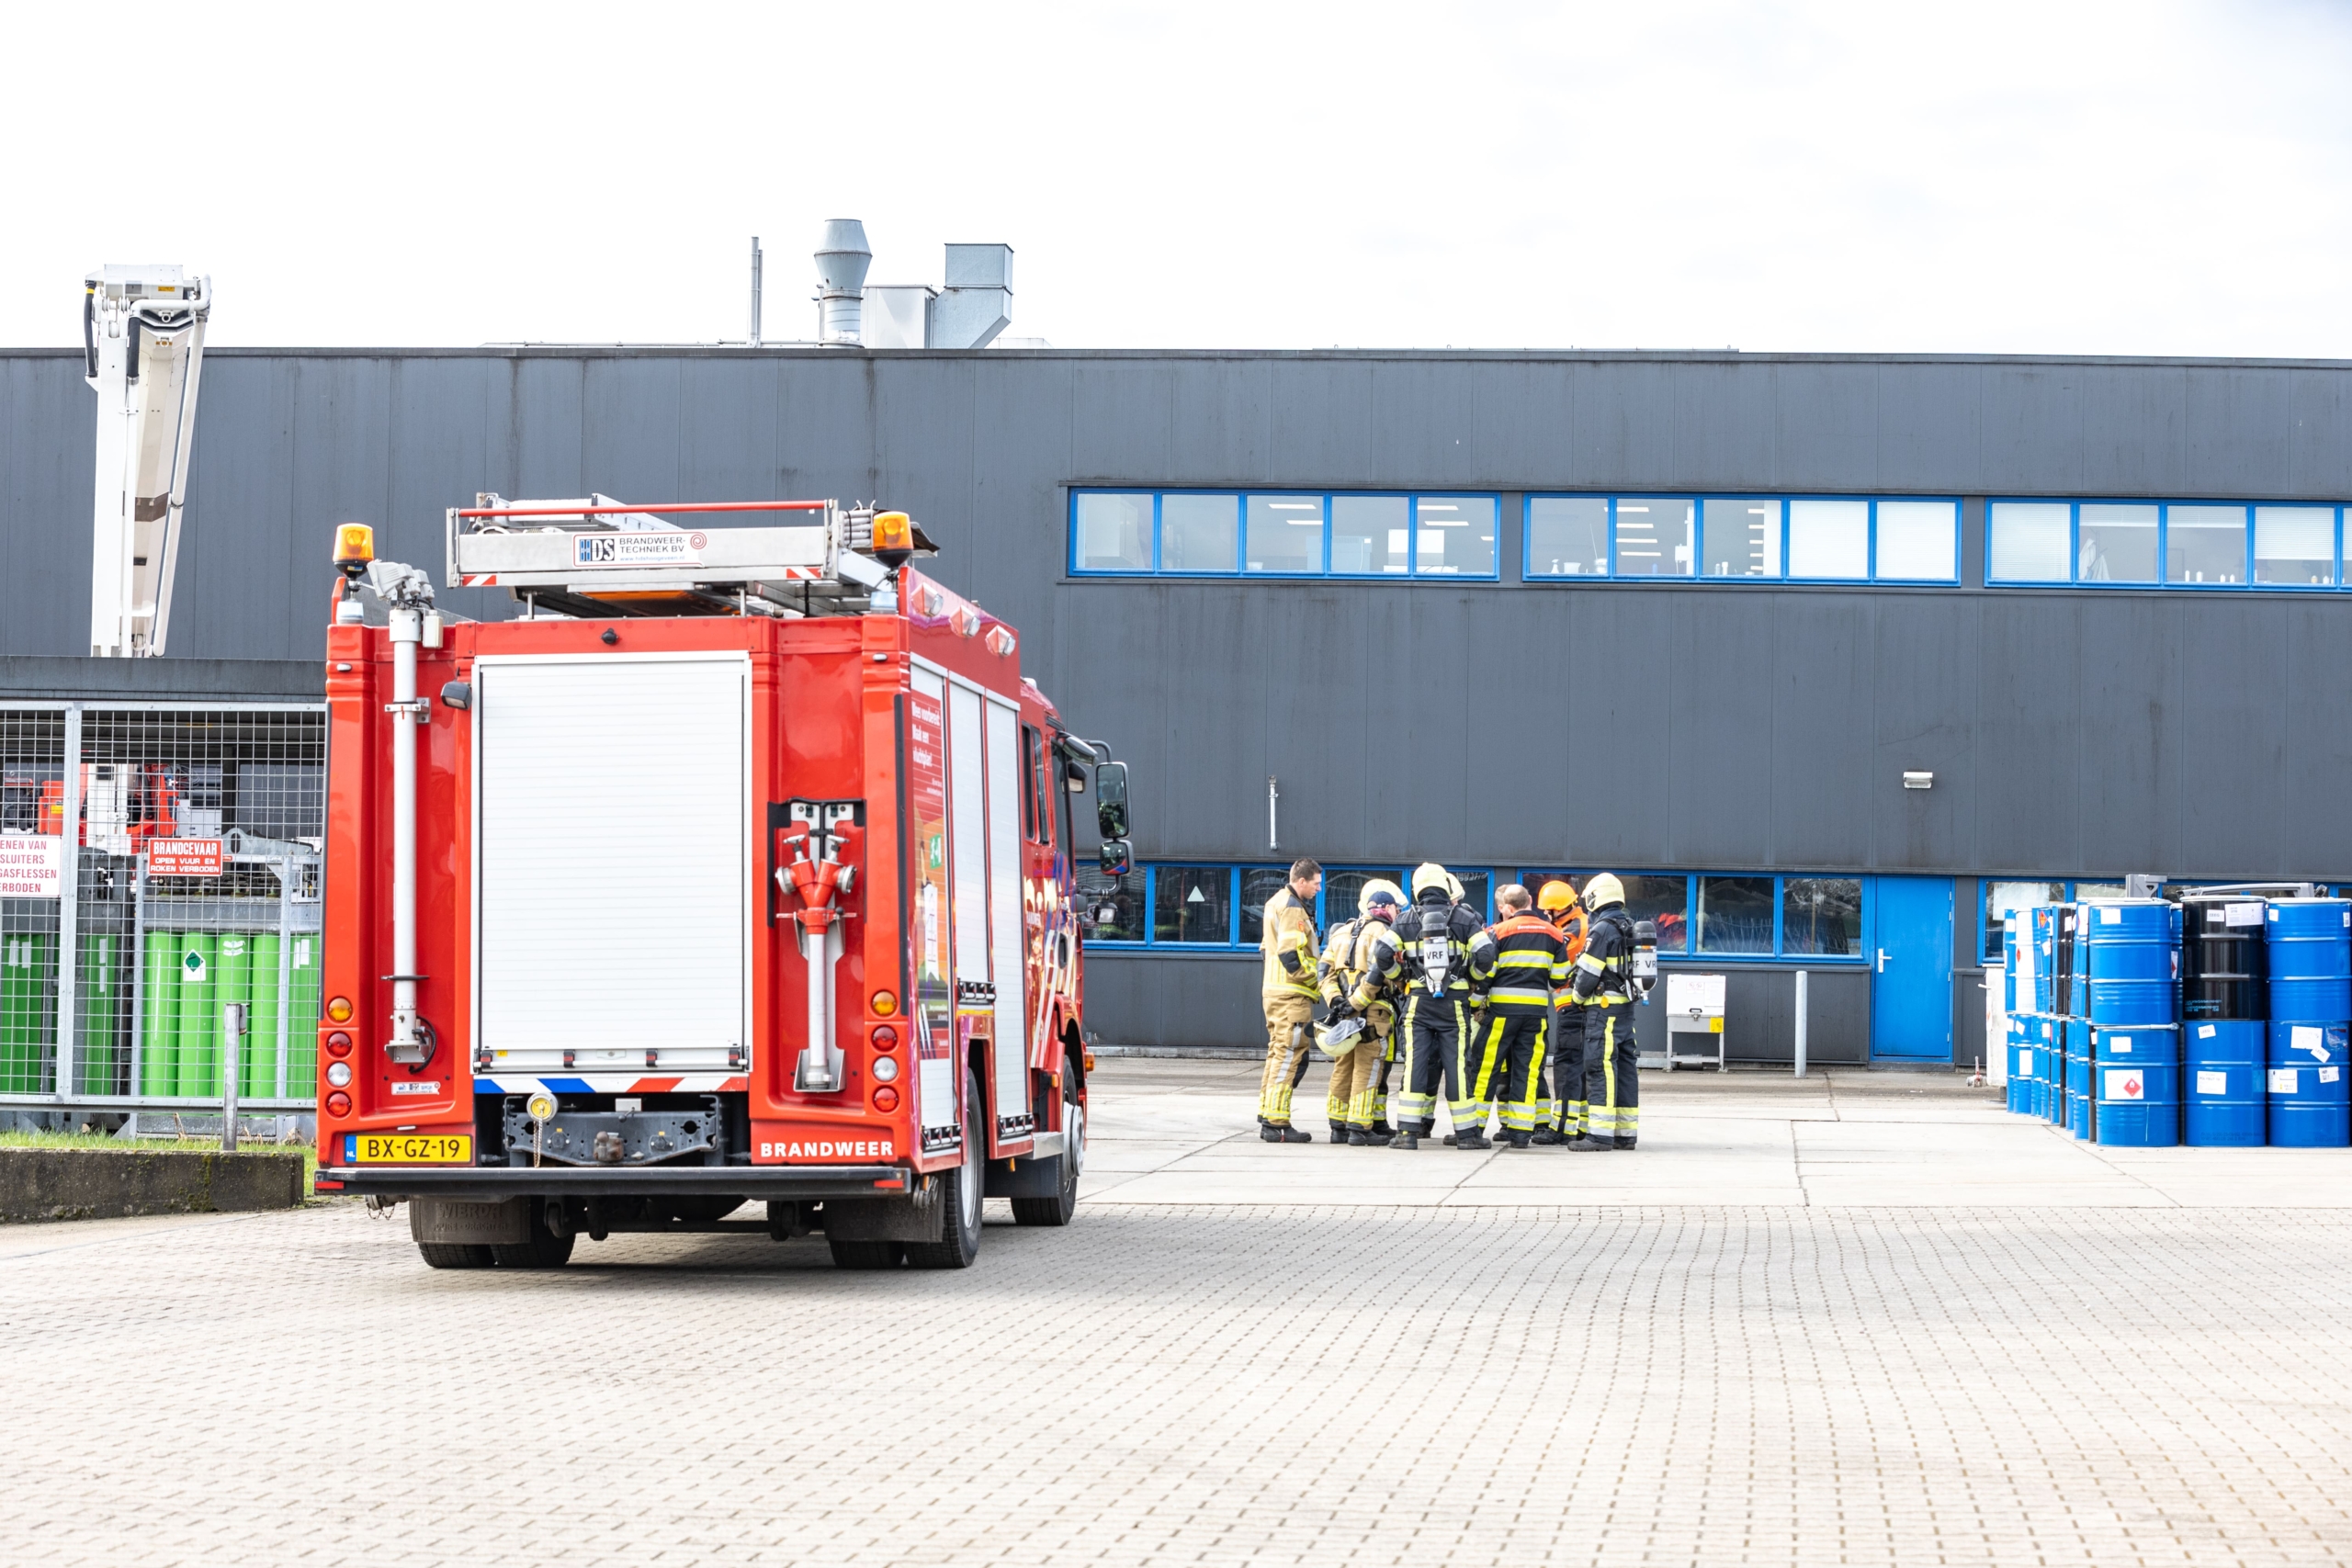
point(32, 866)
point(184, 857)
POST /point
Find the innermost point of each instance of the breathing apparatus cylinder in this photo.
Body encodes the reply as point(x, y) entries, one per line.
point(1641, 964)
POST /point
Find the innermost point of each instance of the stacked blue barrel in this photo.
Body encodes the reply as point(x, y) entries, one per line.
point(2130, 951)
point(2310, 943)
point(2225, 1005)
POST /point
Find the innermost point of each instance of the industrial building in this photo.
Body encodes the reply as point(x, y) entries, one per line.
point(1823, 654)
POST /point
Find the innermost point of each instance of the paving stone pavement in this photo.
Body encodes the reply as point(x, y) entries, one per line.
point(1367, 1381)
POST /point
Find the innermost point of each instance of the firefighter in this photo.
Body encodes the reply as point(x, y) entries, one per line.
point(1361, 971)
point(1564, 1051)
point(1603, 993)
point(1435, 935)
point(1521, 963)
point(1288, 990)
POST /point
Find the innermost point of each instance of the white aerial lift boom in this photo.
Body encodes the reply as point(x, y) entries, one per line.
point(143, 342)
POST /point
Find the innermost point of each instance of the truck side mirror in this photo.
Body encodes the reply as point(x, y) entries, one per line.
point(1111, 799)
point(1118, 857)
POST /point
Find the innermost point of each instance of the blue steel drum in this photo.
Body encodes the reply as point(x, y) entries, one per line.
point(2136, 1075)
point(2225, 1101)
point(2079, 1076)
point(2311, 959)
point(2131, 954)
point(2009, 967)
point(2045, 958)
point(2310, 1094)
point(2051, 1053)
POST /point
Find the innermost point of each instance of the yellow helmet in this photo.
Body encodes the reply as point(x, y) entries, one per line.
point(1603, 890)
point(1428, 874)
point(1558, 894)
point(1379, 884)
point(1453, 886)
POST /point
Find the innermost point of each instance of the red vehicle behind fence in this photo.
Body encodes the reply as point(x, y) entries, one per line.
point(739, 870)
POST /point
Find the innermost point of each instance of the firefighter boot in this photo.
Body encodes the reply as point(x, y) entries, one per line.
point(1589, 1144)
point(1548, 1137)
point(1406, 1138)
point(1623, 1143)
point(1276, 1132)
point(1470, 1138)
point(1518, 1140)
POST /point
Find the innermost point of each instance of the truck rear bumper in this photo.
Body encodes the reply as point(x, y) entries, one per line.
point(754, 1182)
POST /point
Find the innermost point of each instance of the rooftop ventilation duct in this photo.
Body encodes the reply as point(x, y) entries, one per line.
point(842, 261)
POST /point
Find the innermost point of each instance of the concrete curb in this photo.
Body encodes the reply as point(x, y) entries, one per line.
point(1192, 1052)
point(95, 1184)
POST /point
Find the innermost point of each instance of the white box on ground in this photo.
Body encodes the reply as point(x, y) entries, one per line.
point(1694, 1005)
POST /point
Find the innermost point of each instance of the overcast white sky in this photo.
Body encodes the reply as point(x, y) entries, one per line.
point(2166, 176)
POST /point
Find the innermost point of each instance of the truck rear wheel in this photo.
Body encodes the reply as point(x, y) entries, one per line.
point(1058, 1208)
point(455, 1255)
point(959, 1241)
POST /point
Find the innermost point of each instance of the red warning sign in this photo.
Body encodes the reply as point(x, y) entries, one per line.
point(184, 857)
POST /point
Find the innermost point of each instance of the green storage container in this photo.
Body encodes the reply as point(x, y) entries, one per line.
point(104, 994)
point(234, 983)
point(28, 1019)
point(303, 1020)
point(199, 1018)
point(260, 1080)
point(159, 1040)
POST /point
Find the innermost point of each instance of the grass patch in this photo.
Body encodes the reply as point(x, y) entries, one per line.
point(167, 1144)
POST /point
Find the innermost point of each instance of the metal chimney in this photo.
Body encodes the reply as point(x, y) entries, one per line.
point(841, 262)
point(756, 292)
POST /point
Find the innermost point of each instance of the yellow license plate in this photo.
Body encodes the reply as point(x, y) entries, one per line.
point(408, 1148)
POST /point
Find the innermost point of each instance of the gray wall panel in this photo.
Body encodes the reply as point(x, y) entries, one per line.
point(1720, 665)
point(2315, 824)
point(1930, 427)
point(1827, 436)
point(1924, 717)
point(1726, 428)
point(1319, 421)
point(2028, 730)
point(2032, 430)
point(1121, 420)
point(550, 398)
point(2237, 429)
point(1217, 421)
point(2233, 661)
point(2132, 425)
point(1821, 779)
point(2129, 745)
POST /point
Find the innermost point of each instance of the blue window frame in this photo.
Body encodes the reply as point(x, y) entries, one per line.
point(1757, 918)
point(1740, 538)
point(1452, 535)
point(2199, 545)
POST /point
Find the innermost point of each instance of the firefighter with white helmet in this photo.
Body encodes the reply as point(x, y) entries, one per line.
point(1435, 934)
point(1604, 991)
point(1361, 973)
point(1559, 903)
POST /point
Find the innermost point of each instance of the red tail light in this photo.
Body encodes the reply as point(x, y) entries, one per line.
point(886, 1099)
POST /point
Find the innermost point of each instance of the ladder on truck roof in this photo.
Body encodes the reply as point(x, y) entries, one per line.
point(601, 557)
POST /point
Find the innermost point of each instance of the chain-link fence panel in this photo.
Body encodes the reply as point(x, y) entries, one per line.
point(159, 861)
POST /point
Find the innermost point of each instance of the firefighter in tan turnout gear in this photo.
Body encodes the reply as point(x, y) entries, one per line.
point(1290, 992)
point(1362, 976)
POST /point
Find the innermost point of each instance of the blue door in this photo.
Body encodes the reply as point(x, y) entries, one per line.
point(1911, 965)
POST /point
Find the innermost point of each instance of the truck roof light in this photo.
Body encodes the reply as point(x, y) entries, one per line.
point(355, 544)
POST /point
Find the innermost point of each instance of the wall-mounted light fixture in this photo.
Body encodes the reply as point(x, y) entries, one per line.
point(1919, 780)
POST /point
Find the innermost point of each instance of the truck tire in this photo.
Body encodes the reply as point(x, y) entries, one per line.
point(959, 1241)
point(866, 1254)
point(544, 1250)
point(455, 1255)
point(1057, 1209)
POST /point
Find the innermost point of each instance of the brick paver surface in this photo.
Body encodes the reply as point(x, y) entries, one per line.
point(1373, 1385)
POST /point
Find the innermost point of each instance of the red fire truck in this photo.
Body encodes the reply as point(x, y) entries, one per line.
point(738, 869)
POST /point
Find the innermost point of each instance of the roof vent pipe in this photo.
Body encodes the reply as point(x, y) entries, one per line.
point(841, 262)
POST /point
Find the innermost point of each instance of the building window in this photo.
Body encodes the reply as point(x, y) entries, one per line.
point(2204, 544)
point(1343, 890)
point(1653, 537)
point(1259, 886)
point(1198, 533)
point(1821, 917)
point(1665, 900)
point(1110, 909)
point(1454, 536)
point(1829, 539)
point(1113, 532)
point(2115, 542)
point(1734, 914)
point(1917, 541)
point(2029, 541)
point(2002, 900)
point(1568, 536)
point(1371, 534)
point(1193, 904)
point(1283, 534)
point(2294, 546)
point(1739, 536)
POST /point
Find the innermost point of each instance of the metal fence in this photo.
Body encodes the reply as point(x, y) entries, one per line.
point(158, 861)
